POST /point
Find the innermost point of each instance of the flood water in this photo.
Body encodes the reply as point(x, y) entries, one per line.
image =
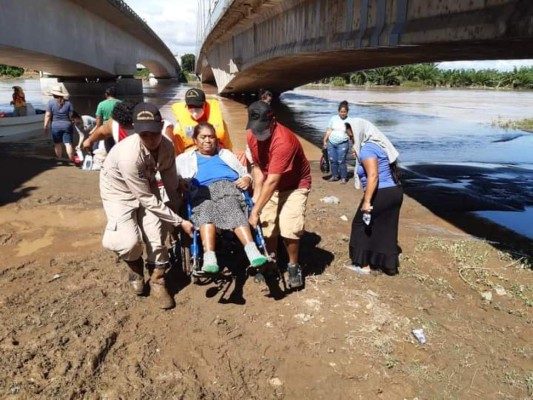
point(445, 138)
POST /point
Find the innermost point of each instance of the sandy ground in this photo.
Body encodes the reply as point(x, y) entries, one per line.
point(70, 328)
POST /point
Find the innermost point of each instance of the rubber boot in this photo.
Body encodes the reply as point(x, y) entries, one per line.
point(136, 276)
point(159, 291)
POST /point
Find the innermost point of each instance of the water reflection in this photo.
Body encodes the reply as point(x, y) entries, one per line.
point(472, 166)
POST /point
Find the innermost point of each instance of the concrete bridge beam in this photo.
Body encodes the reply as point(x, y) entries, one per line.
point(284, 44)
point(80, 38)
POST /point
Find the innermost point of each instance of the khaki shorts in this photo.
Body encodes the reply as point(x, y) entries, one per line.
point(285, 214)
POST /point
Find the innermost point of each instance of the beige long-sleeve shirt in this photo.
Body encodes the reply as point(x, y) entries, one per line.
point(128, 177)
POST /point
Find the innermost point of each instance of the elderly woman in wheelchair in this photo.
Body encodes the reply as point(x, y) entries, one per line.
point(216, 179)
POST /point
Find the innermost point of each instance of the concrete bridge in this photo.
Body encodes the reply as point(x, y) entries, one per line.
point(249, 44)
point(86, 44)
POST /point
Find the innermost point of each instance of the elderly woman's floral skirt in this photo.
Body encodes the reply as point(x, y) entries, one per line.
point(221, 203)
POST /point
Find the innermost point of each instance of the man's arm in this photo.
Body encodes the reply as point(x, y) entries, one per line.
point(268, 187)
point(98, 133)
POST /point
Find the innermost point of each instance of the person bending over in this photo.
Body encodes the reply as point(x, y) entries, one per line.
point(217, 178)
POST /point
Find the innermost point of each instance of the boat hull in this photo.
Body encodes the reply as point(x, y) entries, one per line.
point(17, 128)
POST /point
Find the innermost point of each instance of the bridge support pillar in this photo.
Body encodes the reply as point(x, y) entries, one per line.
point(85, 95)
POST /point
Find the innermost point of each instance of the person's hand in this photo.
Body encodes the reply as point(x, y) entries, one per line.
point(254, 218)
point(87, 145)
point(46, 130)
point(188, 227)
point(366, 206)
point(243, 183)
point(325, 145)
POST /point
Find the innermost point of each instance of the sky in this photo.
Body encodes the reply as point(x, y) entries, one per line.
point(173, 20)
point(175, 23)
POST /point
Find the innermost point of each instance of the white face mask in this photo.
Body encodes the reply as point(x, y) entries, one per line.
point(263, 135)
point(196, 112)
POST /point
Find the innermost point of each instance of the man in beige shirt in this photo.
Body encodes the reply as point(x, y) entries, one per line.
point(133, 205)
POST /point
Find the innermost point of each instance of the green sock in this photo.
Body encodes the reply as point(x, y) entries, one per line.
point(254, 256)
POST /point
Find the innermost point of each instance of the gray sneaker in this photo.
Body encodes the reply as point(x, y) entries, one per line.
point(295, 277)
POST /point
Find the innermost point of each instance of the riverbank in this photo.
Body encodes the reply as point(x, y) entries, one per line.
point(70, 328)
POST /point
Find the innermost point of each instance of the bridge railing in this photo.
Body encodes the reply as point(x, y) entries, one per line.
point(128, 11)
point(209, 12)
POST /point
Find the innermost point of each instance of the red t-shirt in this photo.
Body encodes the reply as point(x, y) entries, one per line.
point(281, 154)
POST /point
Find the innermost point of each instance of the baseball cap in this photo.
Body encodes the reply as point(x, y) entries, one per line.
point(260, 115)
point(195, 97)
point(146, 118)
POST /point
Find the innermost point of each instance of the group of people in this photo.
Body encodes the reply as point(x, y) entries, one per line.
point(194, 158)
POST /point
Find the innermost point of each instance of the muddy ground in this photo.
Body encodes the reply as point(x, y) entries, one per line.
point(70, 328)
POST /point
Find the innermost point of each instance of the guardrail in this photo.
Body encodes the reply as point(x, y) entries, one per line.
point(128, 12)
point(209, 12)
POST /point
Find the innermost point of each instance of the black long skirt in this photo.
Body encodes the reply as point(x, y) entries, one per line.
point(377, 244)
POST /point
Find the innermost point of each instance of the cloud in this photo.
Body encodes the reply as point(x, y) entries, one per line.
point(500, 65)
point(174, 22)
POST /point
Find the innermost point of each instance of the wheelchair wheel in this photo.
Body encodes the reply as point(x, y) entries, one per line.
point(186, 260)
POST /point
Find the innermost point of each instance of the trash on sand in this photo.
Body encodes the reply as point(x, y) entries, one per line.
point(55, 277)
point(500, 291)
point(487, 296)
point(275, 382)
point(419, 335)
point(344, 217)
point(330, 200)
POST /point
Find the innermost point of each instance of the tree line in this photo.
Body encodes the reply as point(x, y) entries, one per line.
point(8, 70)
point(431, 75)
point(405, 75)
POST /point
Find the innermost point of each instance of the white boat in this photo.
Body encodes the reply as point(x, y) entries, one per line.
point(18, 128)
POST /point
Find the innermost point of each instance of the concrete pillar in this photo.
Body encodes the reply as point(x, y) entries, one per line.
point(85, 95)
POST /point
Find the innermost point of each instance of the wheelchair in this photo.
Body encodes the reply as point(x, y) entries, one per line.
point(188, 251)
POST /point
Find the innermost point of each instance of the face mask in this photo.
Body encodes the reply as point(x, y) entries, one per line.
point(263, 135)
point(196, 112)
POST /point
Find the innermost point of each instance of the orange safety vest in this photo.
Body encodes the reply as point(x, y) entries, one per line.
point(184, 128)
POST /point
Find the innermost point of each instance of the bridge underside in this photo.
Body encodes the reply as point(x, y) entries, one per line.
point(284, 73)
point(46, 62)
point(284, 44)
point(81, 39)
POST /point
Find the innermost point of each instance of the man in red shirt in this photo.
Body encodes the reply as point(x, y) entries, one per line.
point(282, 180)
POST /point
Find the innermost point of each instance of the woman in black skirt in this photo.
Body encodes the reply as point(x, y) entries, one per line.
point(374, 236)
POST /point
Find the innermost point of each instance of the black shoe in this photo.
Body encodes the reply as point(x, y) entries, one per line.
point(295, 278)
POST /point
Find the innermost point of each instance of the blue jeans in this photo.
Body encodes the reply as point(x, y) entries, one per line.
point(337, 154)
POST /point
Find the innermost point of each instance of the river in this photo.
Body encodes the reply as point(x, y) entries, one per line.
point(445, 137)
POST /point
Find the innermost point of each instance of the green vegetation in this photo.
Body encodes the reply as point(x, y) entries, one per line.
point(142, 73)
point(187, 62)
point(524, 124)
point(10, 71)
point(417, 75)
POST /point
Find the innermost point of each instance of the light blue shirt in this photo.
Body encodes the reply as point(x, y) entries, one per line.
point(338, 133)
point(372, 150)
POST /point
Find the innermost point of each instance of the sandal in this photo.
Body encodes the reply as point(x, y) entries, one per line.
point(358, 269)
